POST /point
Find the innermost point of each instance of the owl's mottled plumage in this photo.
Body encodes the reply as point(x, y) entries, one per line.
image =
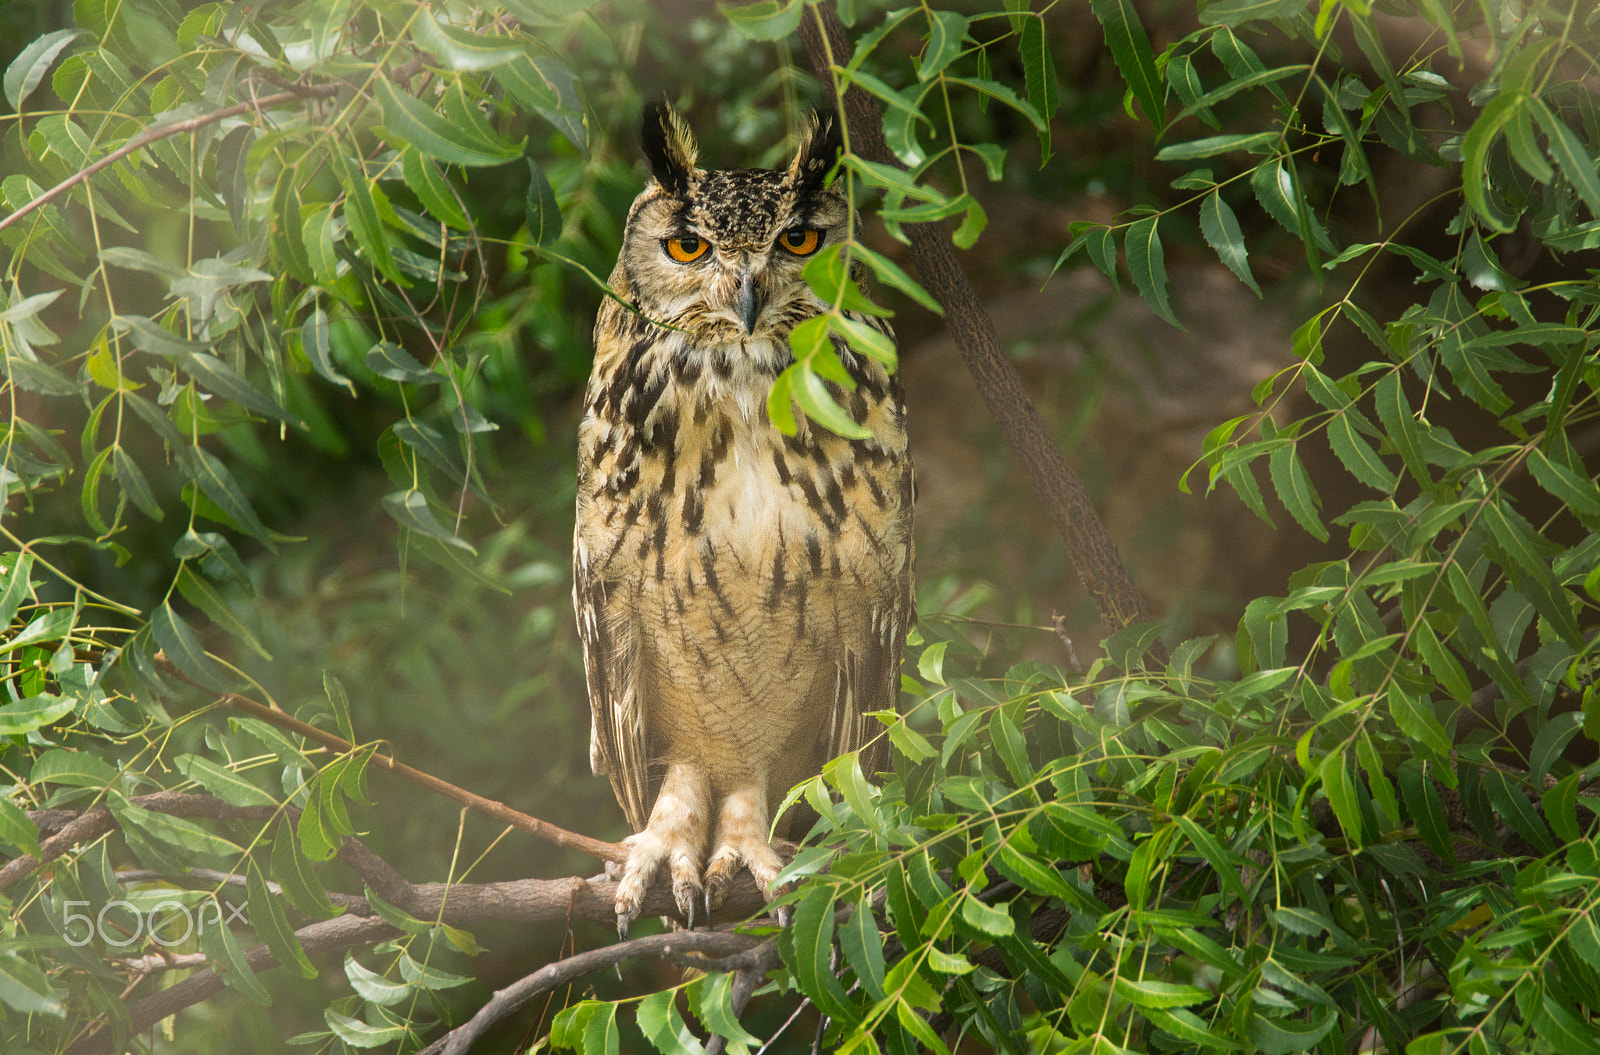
point(742, 595)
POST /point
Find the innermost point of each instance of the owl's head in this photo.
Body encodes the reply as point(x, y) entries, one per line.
point(720, 253)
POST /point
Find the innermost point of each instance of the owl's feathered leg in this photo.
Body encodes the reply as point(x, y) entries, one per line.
point(741, 841)
point(676, 837)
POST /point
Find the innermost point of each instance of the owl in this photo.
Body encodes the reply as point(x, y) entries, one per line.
point(742, 595)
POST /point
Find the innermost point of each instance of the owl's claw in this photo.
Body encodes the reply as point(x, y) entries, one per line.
point(622, 928)
point(708, 908)
point(690, 914)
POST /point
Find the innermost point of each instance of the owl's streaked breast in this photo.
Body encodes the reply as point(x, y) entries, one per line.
point(746, 561)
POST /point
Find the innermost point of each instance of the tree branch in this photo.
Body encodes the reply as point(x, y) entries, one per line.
point(458, 904)
point(95, 822)
point(1094, 555)
point(151, 135)
point(514, 997)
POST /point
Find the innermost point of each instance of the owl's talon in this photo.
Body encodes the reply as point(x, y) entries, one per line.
point(784, 915)
point(708, 907)
point(622, 928)
point(689, 912)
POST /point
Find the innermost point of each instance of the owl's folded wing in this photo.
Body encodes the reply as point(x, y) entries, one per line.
point(610, 648)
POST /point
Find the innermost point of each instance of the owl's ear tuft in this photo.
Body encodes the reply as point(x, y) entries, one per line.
point(668, 146)
point(819, 149)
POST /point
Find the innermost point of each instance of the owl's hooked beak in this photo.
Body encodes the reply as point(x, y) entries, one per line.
point(750, 300)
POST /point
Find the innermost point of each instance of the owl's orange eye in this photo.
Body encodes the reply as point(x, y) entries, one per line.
point(801, 241)
point(687, 249)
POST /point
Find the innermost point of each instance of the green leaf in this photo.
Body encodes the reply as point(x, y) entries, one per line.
point(223, 380)
point(1162, 995)
point(431, 444)
point(1222, 233)
point(1416, 719)
point(1236, 12)
point(1279, 1036)
point(174, 831)
point(1356, 454)
point(1032, 875)
point(993, 921)
point(1130, 47)
point(818, 403)
point(27, 70)
point(427, 976)
point(408, 122)
point(1278, 191)
point(764, 19)
point(149, 337)
point(410, 510)
point(17, 829)
point(359, 1034)
point(134, 484)
point(372, 987)
point(35, 712)
point(183, 649)
point(77, 768)
point(1573, 490)
point(1145, 263)
point(432, 189)
point(863, 947)
point(812, 937)
point(271, 924)
point(459, 49)
point(387, 359)
point(658, 1019)
point(1225, 863)
point(1514, 807)
point(224, 783)
point(1441, 664)
point(1211, 146)
point(24, 988)
point(1569, 154)
point(543, 215)
point(1425, 808)
point(37, 377)
point(1560, 805)
point(1550, 741)
point(292, 870)
point(1394, 410)
point(314, 340)
point(219, 485)
point(1004, 95)
point(361, 213)
point(888, 271)
point(946, 32)
point(395, 917)
point(50, 625)
point(866, 339)
point(1295, 490)
point(715, 1008)
point(200, 593)
point(1039, 74)
point(318, 841)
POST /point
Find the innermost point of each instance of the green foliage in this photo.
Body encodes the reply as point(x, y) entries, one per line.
point(284, 233)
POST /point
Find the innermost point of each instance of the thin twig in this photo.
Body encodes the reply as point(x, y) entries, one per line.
point(151, 135)
point(523, 822)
